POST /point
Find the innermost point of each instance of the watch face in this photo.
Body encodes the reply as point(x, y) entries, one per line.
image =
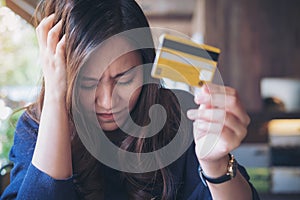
point(232, 167)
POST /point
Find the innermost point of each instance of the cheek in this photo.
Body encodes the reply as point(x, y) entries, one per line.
point(134, 97)
point(130, 94)
point(87, 99)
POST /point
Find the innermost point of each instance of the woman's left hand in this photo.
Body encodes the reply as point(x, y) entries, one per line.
point(220, 124)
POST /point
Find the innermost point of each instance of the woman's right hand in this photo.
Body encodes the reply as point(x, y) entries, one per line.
point(52, 153)
point(52, 57)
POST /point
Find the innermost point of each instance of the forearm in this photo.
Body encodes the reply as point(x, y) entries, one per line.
point(52, 153)
point(237, 188)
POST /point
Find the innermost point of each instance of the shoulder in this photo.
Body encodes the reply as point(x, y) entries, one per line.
point(25, 136)
point(24, 143)
point(27, 121)
point(26, 127)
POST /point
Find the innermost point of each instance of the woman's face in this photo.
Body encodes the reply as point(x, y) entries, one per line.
point(109, 87)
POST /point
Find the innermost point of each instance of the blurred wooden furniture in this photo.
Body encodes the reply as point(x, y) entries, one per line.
point(24, 8)
point(258, 38)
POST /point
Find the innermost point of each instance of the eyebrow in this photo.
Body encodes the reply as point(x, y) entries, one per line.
point(86, 78)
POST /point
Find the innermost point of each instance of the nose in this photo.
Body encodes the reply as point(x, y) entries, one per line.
point(103, 97)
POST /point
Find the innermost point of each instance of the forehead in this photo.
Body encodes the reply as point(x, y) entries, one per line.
point(115, 55)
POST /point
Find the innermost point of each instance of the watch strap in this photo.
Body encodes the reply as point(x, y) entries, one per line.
point(231, 173)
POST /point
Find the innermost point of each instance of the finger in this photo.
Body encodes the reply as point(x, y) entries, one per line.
point(205, 106)
point(229, 140)
point(211, 89)
point(53, 37)
point(214, 88)
point(232, 124)
point(230, 103)
point(43, 29)
point(207, 127)
point(235, 125)
point(234, 106)
point(60, 51)
point(208, 91)
point(198, 132)
point(211, 115)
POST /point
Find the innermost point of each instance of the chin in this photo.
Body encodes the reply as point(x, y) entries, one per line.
point(109, 126)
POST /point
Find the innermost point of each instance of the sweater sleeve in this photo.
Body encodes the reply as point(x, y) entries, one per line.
point(194, 189)
point(26, 181)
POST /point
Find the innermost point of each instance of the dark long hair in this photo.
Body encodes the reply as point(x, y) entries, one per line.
point(87, 23)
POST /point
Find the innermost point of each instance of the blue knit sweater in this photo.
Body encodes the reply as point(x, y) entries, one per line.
point(29, 183)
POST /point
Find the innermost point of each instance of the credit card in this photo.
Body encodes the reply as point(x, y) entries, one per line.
point(183, 60)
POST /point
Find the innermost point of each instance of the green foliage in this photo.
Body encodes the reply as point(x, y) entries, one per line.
point(18, 66)
point(260, 178)
point(7, 134)
point(18, 50)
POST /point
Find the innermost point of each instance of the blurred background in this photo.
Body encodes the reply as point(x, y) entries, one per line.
point(260, 57)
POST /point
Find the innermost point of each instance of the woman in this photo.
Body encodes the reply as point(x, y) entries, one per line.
point(86, 78)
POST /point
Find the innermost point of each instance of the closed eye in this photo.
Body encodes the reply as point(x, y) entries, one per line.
point(88, 86)
point(125, 82)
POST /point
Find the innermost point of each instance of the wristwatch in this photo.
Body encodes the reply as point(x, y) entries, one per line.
point(230, 174)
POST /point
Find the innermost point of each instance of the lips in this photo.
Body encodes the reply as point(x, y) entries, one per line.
point(107, 117)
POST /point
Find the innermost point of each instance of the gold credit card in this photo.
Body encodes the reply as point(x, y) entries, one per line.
point(183, 60)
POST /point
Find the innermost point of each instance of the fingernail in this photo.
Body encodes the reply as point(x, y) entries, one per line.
point(190, 114)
